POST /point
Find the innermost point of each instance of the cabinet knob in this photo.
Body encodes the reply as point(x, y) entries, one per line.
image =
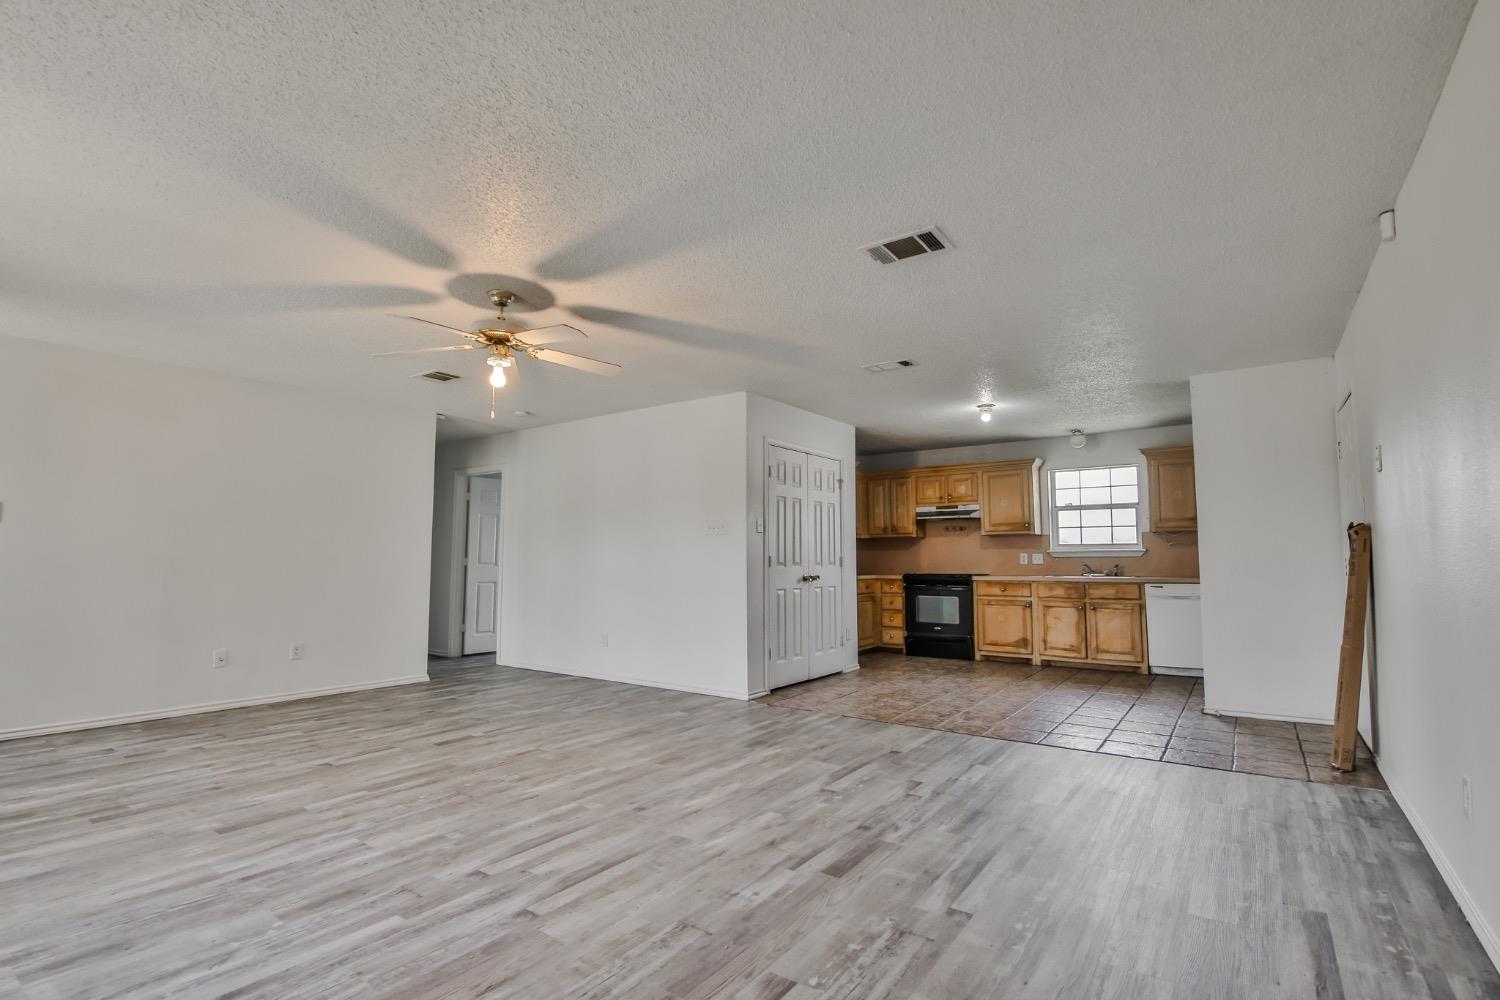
point(1078, 606)
point(1028, 604)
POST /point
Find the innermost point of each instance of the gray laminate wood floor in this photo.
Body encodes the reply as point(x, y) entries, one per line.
point(502, 833)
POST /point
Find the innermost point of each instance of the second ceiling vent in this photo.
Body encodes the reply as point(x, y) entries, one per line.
point(916, 244)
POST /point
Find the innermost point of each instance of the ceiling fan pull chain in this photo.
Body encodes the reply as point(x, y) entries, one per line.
point(492, 402)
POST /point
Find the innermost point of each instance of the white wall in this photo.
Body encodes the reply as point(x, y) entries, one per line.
point(1422, 356)
point(770, 421)
point(605, 528)
point(152, 514)
point(1106, 448)
point(1270, 545)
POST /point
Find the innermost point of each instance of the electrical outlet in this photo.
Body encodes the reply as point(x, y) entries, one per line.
point(221, 658)
point(1025, 559)
point(1468, 798)
point(1036, 559)
point(296, 651)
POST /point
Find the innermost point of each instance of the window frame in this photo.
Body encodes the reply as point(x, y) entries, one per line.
point(1136, 548)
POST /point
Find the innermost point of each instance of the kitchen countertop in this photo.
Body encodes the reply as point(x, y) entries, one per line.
point(1036, 577)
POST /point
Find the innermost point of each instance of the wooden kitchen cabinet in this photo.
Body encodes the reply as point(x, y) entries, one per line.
point(1002, 626)
point(1117, 632)
point(883, 506)
point(1008, 498)
point(869, 620)
point(932, 488)
point(1063, 627)
point(1171, 487)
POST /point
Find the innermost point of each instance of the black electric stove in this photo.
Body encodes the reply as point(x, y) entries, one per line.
point(940, 615)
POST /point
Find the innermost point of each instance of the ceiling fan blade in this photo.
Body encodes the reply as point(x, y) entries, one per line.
point(427, 350)
point(441, 326)
point(554, 334)
point(574, 361)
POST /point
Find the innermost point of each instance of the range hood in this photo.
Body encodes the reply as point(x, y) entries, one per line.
point(948, 512)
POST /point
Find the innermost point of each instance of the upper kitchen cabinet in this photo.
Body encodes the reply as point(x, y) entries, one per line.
point(1172, 488)
point(1009, 497)
point(940, 487)
point(883, 506)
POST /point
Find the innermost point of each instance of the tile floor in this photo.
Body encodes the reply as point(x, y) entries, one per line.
point(1151, 717)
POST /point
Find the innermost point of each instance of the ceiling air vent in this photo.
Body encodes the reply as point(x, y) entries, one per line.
point(912, 245)
point(890, 366)
point(439, 376)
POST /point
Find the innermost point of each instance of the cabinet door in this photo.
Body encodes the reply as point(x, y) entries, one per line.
point(963, 487)
point(901, 517)
point(861, 508)
point(877, 511)
point(1004, 625)
point(1117, 632)
point(1063, 625)
point(869, 621)
point(930, 489)
point(1173, 486)
point(1005, 501)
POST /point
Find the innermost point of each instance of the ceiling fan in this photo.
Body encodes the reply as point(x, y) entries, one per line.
point(506, 341)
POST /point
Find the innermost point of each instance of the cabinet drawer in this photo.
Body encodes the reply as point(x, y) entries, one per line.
point(892, 619)
point(892, 637)
point(1115, 591)
point(1001, 588)
point(890, 602)
point(1061, 590)
point(868, 586)
point(890, 586)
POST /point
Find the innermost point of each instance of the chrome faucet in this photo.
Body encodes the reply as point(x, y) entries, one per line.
point(1091, 571)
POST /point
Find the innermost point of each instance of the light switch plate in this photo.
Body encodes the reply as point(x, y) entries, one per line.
point(718, 527)
point(1025, 559)
point(1379, 462)
point(1036, 559)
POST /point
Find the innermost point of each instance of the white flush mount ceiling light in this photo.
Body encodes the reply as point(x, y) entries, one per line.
point(986, 411)
point(1077, 438)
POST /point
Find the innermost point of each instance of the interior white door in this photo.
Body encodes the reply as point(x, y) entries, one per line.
point(805, 635)
point(482, 567)
point(787, 660)
point(825, 640)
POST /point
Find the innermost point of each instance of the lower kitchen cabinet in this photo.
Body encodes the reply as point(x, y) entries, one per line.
point(1064, 629)
point(1002, 626)
point(1117, 632)
point(882, 615)
point(869, 620)
point(1095, 623)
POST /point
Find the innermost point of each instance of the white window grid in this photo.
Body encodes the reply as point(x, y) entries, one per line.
point(1096, 508)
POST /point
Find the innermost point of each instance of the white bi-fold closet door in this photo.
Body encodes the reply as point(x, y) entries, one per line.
point(804, 572)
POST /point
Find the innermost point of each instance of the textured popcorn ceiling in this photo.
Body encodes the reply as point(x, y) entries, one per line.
point(1136, 192)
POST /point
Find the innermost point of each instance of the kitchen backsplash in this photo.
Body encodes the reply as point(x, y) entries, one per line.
point(958, 547)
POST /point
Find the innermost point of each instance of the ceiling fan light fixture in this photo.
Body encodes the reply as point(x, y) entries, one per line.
point(497, 376)
point(986, 411)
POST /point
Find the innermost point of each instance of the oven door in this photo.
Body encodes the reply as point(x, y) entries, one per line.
point(938, 610)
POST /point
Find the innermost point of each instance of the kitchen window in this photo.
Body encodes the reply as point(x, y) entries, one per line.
point(1096, 511)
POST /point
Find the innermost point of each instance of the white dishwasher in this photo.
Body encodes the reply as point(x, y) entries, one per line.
point(1174, 629)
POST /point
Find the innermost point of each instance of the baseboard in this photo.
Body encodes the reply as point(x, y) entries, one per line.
point(1482, 929)
point(628, 679)
point(1239, 713)
point(105, 721)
